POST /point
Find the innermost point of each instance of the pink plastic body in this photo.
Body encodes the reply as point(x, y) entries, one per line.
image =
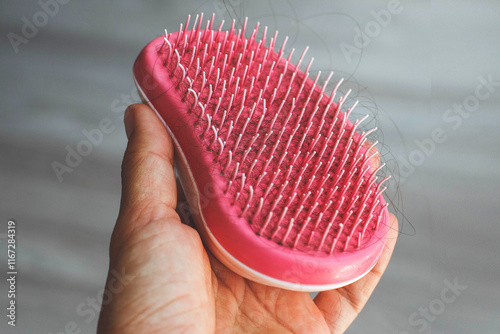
point(227, 235)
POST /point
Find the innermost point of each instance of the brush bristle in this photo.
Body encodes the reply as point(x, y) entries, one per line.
point(293, 163)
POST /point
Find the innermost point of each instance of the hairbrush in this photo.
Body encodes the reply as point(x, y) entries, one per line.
point(279, 181)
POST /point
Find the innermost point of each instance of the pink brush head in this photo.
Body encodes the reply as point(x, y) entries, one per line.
point(278, 179)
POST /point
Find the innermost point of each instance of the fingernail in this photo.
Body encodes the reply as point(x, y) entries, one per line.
point(128, 120)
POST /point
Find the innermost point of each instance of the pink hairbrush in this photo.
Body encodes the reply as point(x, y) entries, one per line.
point(278, 179)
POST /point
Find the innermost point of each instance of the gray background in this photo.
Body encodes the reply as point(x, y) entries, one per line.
point(76, 71)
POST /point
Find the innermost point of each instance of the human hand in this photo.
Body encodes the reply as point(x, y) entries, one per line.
point(175, 285)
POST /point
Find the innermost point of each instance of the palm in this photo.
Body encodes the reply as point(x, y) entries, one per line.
point(245, 306)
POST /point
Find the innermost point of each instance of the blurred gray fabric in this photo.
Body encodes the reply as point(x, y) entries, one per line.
point(416, 60)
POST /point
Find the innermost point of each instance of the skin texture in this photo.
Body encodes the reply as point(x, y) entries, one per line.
point(163, 280)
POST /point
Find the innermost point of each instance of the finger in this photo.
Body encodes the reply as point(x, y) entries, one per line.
point(373, 153)
point(148, 181)
point(341, 306)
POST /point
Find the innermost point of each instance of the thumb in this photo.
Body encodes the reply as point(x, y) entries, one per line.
point(148, 181)
point(164, 278)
